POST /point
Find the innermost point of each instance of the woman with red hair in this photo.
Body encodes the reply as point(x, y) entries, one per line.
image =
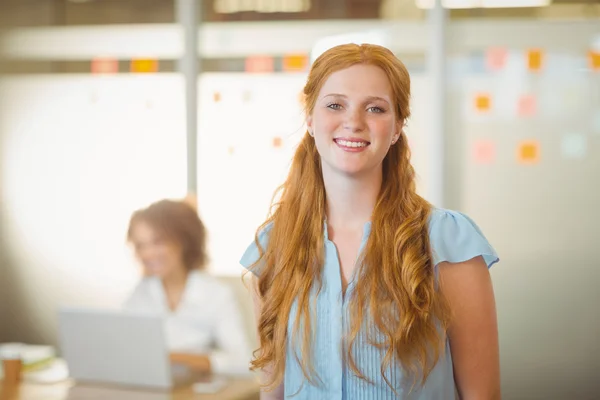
point(363, 289)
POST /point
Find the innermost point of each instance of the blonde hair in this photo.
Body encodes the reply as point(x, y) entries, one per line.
point(396, 290)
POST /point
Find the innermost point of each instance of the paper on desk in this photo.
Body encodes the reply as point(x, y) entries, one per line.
point(29, 354)
point(57, 371)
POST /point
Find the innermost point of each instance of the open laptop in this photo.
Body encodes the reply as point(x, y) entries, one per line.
point(117, 347)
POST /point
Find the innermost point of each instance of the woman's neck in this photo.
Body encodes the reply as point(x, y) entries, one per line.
point(351, 200)
point(174, 286)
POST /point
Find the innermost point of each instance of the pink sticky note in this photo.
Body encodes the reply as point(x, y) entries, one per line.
point(259, 64)
point(484, 152)
point(526, 106)
point(495, 58)
point(104, 66)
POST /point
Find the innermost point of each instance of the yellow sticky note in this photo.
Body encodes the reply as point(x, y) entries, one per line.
point(144, 66)
point(295, 62)
point(483, 102)
point(594, 60)
point(535, 58)
point(528, 152)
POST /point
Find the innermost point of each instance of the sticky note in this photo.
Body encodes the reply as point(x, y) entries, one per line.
point(216, 97)
point(259, 64)
point(495, 58)
point(528, 152)
point(295, 63)
point(104, 66)
point(144, 66)
point(574, 145)
point(277, 142)
point(526, 105)
point(535, 59)
point(483, 102)
point(594, 60)
point(484, 152)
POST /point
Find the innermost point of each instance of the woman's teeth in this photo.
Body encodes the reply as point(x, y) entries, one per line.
point(348, 143)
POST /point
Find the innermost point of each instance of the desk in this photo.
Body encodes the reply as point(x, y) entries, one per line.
point(237, 389)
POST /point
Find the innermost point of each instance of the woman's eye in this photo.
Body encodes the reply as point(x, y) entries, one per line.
point(334, 106)
point(376, 110)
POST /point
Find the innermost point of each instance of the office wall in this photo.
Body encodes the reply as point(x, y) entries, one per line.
point(540, 213)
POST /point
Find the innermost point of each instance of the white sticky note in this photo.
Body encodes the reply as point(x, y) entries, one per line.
point(574, 145)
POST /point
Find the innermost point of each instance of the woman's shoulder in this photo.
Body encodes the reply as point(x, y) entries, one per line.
point(252, 252)
point(455, 237)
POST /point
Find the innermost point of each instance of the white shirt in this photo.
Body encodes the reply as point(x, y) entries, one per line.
point(207, 320)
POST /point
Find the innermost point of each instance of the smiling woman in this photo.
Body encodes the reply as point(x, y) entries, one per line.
point(353, 121)
point(364, 289)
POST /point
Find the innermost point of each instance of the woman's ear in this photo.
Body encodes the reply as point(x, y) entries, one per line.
point(309, 125)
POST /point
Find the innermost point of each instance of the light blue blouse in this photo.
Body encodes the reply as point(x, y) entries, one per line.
point(454, 237)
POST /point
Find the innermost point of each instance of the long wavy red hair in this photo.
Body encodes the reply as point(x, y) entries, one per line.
point(396, 291)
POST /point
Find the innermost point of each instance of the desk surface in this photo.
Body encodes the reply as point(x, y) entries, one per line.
point(239, 389)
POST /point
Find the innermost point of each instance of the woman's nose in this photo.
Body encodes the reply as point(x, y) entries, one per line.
point(355, 121)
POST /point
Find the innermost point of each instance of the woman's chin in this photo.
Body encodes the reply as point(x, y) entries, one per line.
point(154, 272)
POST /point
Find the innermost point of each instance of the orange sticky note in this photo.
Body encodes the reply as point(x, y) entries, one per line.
point(277, 142)
point(495, 58)
point(259, 64)
point(484, 152)
point(535, 59)
point(528, 152)
point(144, 66)
point(104, 66)
point(216, 97)
point(594, 60)
point(295, 62)
point(483, 102)
point(526, 105)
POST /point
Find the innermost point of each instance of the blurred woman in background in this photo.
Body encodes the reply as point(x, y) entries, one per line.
point(204, 326)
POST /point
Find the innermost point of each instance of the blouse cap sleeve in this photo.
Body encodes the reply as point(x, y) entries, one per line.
point(455, 238)
point(252, 253)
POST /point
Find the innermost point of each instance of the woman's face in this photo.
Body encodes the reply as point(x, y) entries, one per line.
point(353, 121)
point(159, 256)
